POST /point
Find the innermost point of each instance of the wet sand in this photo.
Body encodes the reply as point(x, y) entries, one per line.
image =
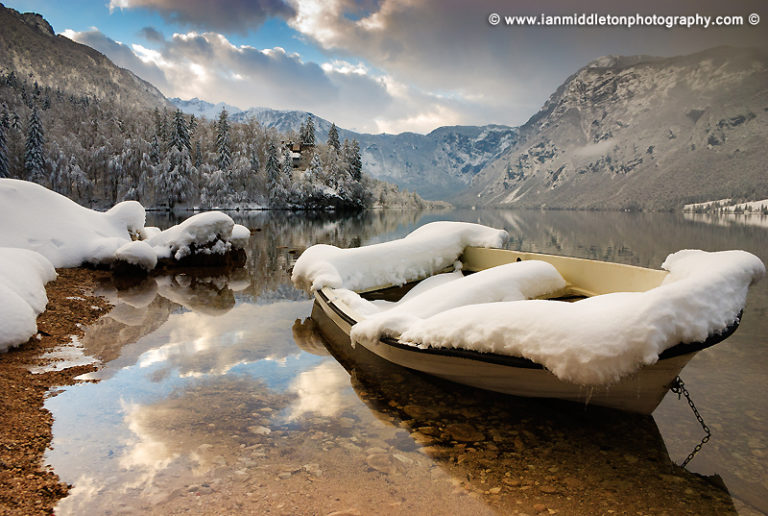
point(26, 485)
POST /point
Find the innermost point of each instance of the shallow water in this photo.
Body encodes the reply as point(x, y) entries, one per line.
point(218, 395)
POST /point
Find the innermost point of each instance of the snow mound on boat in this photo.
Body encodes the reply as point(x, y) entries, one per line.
point(425, 251)
point(67, 234)
point(510, 282)
point(23, 275)
point(601, 339)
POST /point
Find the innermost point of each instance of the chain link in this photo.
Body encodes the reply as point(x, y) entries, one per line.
point(678, 387)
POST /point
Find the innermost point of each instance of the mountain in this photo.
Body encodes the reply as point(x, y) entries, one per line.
point(31, 49)
point(436, 165)
point(641, 133)
point(201, 108)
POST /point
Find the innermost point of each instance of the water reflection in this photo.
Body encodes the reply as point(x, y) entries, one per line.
point(218, 394)
point(539, 452)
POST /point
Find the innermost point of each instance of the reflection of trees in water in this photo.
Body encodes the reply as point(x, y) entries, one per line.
point(141, 307)
point(541, 451)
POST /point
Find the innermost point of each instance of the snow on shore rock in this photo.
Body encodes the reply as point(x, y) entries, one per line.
point(23, 275)
point(33, 217)
point(425, 251)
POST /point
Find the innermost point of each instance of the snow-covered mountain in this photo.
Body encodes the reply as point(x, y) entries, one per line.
point(31, 49)
point(201, 108)
point(436, 165)
point(641, 132)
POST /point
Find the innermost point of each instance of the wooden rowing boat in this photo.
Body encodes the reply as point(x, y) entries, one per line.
point(639, 392)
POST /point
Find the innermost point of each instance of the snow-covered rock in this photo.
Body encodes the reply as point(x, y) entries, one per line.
point(23, 275)
point(424, 252)
point(138, 253)
point(212, 227)
point(33, 217)
point(67, 234)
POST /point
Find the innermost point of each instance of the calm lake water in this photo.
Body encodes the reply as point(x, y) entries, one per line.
point(217, 395)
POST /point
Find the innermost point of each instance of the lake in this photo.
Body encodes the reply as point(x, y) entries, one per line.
point(217, 395)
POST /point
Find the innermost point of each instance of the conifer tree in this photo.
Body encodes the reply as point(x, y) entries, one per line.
point(333, 138)
point(180, 133)
point(222, 141)
point(309, 131)
point(34, 161)
point(355, 162)
point(288, 165)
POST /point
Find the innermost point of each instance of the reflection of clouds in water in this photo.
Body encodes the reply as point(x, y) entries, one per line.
point(323, 391)
point(177, 441)
point(145, 455)
point(196, 343)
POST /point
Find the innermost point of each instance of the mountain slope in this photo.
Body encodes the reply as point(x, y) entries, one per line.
point(30, 48)
point(641, 132)
point(436, 165)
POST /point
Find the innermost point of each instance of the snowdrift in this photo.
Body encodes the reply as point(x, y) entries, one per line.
point(23, 275)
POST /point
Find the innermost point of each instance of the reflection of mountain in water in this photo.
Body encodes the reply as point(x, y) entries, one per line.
point(541, 451)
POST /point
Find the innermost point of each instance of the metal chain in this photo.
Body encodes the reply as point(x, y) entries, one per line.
point(678, 387)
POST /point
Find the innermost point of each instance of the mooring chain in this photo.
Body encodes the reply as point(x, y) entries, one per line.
point(678, 387)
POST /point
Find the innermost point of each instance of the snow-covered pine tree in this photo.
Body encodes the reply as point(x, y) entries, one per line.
point(309, 131)
point(355, 161)
point(224, 154)
point(180, 133)
point(288, 165)
point(275, 187)
point(192, 125)
point(333, 138)
point(174, 183)
point(34, 160)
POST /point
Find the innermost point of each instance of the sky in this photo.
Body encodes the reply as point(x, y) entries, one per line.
point(380, 65)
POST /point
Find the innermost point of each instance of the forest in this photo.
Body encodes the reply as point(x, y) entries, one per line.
point(99, 152)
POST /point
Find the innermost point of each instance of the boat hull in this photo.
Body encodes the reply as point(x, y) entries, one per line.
point(640, 392)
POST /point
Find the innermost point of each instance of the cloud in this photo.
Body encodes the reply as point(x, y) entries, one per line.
point(151, 34)
point(122, 55)
point(226, 15)
point(208, 66)
point(447, 47)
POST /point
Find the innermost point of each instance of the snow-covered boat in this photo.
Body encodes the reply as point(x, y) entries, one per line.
point(528, 324)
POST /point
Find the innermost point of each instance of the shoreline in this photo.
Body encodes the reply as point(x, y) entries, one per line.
point(27, 485)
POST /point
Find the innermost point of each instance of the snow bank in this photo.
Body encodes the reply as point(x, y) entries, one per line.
point(67, 234)
point(600, 339)
point(33, 217)
point(138, 253)
point(212, 227)
point(23, 275)
point(510, 282)
point(422, 253)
